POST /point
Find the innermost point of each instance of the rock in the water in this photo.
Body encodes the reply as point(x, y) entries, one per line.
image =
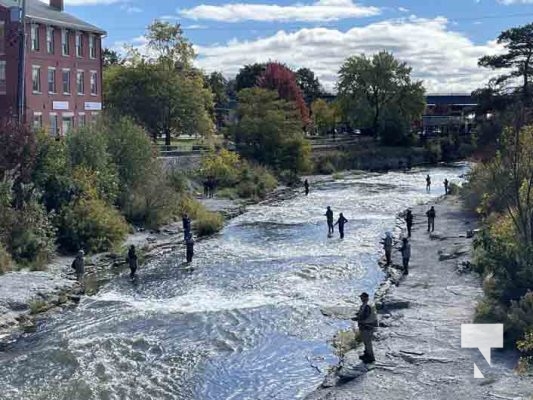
point(340, 312)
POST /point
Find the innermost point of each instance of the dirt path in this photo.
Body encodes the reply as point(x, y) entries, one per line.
point(419, 353)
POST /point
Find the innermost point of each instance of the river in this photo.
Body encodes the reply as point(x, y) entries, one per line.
point(243, 323)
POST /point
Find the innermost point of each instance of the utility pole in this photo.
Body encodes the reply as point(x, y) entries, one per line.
point(22, 62)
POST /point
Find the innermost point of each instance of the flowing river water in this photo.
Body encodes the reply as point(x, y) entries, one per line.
point(243, 323)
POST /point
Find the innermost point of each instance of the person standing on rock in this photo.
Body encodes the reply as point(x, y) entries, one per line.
point(428, 183)
point(78, 265)
point(446, 183)
point(306, 186)
point(387, 246)
point(189, 244)
point(329, 217)
point(132, 261)
point(186, 226)
point(341, 221)
point(431, 214)
point(409, 222)
point(406, 255)
point(367, 322)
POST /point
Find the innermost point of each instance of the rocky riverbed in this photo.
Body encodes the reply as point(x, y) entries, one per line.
point(27, 296)
point(418, 345)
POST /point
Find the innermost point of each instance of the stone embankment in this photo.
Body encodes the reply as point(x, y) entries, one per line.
point(418, 345)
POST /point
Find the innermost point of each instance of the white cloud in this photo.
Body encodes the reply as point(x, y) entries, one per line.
point(320, 10)
point(445, 60)
point(509, 2)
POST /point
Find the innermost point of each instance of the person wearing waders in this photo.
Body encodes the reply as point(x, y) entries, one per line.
point(306, 186)
point(189, 244)
point(132, 261)
point(186, 226)
point(446, 183)
point(387, 246)
point(428, 183)
point(341, 221)
point(409, 222)
point(406, 255)
point(78, 265)
point(329, 217)
point(367, 321)
point(431, 214)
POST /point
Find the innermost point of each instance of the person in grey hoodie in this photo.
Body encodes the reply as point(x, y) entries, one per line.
point(406, 255)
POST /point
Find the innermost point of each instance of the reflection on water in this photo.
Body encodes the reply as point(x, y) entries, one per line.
point(245, 323)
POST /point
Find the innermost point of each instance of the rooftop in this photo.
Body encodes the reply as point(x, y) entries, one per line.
point(39, 11)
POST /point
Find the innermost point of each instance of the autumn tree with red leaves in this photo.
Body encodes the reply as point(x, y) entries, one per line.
point(281, 79)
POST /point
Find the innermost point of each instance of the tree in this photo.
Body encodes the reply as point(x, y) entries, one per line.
point(165, 94)
point(219, 87)
point(309, 85)
point(517, 62)
point(17, 151)
point(324, 116)
point(281, 79)
point(111, 57)
point(269, 131)
point(248, 76)
point(372, 88)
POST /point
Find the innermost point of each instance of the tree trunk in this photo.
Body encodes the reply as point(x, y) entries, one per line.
point(167, 136)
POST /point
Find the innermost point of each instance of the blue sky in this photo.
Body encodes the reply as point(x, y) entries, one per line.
point(441, 39)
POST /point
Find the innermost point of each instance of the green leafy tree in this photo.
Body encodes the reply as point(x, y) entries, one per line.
point(309, 84)
point(111, 57)
point(269, 131)
point(517, 62)
point(219, 87)
point(324, 116)
point(248, 76)
point(164, 94)
point(370, 89)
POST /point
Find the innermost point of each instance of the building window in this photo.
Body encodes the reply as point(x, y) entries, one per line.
point(2, 77)
point(79, 45)
point(81, 120)
point(66, 81)
point(37, 121)
point(80, 78)
point(35, 37)
point(66, 124)
point(94, 80)
point(92, 46)
point(51, 80)
point(50, 45)
point(36, 79)
point(54, 128)
point(2, 37)
point(65, 37)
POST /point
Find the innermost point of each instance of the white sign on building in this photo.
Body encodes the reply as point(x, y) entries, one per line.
point(60, 105)
point(93, 106)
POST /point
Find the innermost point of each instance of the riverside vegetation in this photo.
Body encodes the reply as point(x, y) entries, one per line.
point(500, 189)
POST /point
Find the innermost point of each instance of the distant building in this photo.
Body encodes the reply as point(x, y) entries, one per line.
point(448, 113)
point(63, 66)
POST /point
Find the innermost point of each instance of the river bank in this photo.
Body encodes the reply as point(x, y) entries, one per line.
point(418, 343)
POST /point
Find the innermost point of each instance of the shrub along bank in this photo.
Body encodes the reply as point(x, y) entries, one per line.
point(501, 190)
point(83, 192)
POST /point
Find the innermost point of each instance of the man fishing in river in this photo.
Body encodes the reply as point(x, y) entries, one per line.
point(329, 217)
point(367, 321)
point(341, 222)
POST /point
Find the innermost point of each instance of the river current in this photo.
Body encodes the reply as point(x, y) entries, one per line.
point(243, 323)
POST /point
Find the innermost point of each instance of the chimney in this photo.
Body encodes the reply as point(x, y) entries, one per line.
point(57, 5)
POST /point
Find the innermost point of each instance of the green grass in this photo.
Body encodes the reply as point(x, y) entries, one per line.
point(38, 306)
point(345, 341)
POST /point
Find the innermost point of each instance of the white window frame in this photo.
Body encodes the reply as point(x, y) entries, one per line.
point(3, 81)
point(40, 115)
point(53, 115)
point(79, 44)
point(65, 42)
point(39, 88)
point(50, 40)
point(94, 75)
point(63, 81)
point(48, 80)
point(92, 46)
point(34, 37)
point(81, 73)
point(84, 119)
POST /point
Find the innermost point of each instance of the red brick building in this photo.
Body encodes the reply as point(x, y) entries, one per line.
point(63, 66)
